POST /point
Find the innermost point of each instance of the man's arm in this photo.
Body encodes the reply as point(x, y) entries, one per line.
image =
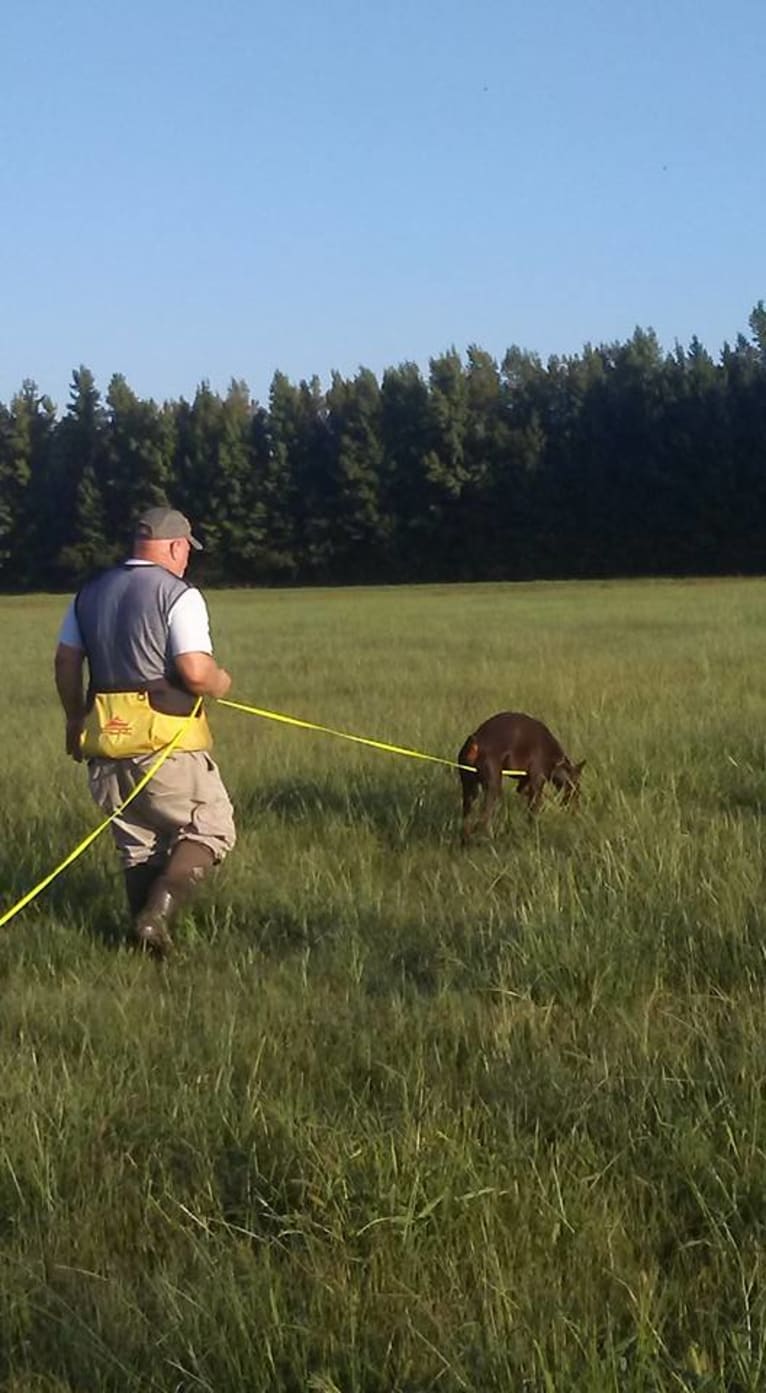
point(201, 674)
point(68, 666)
point(191, 647)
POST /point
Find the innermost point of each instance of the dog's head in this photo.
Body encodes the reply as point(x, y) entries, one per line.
point(565, 776)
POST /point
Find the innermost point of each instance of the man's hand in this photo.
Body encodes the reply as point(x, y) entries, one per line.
point(68, 665)
point(74, 730)
point(224, 682)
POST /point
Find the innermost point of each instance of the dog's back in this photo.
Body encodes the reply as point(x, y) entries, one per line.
point(513, 740)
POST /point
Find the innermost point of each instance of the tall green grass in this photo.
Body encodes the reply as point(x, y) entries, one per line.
point(401, 1116)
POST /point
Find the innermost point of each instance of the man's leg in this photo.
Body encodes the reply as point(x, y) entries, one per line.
point(138, 882)
point(189, 863)
point(187, 801)
point(142, 852)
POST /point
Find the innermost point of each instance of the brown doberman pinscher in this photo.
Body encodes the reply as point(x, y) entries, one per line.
point(511, 740)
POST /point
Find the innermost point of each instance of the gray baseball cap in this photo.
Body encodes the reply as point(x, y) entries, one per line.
point(164, 525)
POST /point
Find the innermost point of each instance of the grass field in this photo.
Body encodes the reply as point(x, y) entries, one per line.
point(401, 1116)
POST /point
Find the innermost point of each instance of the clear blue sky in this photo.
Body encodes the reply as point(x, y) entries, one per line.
point(212, 190)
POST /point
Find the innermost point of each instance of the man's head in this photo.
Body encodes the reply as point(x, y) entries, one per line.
point(164, 535)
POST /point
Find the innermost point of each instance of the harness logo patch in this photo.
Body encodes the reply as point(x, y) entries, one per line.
point(117, 726)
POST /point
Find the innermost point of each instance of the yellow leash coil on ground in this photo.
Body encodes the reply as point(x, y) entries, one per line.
point(358, 739)
point(91, 837)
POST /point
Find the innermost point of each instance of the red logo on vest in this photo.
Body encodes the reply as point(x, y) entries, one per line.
point(117, 726)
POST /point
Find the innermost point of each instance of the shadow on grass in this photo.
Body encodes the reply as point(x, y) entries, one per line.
point(84, 897)
point(398, 817)
point(429, 812)
point(749, 804)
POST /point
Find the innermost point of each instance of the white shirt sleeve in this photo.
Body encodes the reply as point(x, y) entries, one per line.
point(69, 632)
point(189, 625)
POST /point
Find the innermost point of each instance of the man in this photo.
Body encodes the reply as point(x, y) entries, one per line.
point(146, 637)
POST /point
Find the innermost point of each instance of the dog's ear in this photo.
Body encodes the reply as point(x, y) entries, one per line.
point(579, 767)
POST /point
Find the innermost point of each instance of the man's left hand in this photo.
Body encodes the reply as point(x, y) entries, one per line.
point(74, 729)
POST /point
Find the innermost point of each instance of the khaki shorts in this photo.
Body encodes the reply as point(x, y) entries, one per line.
point(184, 801)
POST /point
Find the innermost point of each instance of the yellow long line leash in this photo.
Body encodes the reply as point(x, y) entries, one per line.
point(91, 837)
point(168, 750)
point(358, 739)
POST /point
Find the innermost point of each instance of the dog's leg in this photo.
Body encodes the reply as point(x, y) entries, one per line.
point(492, 779)
point(471, 786)
point(532, 788)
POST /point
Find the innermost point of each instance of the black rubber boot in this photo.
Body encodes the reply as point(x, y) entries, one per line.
point(189, 863)
point(138, 882)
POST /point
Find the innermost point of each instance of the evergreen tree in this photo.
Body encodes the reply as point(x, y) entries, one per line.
point(757, 323)
point(236, 481)
point(75, 505)
point(486, 550)
point(359, 530)
point(277, 487)
point(404, 495)
point(25, 437)
point(141, 442)
point(617, 460)
point(312, 470)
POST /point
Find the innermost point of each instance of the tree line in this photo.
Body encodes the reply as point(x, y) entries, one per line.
point(620, 460)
